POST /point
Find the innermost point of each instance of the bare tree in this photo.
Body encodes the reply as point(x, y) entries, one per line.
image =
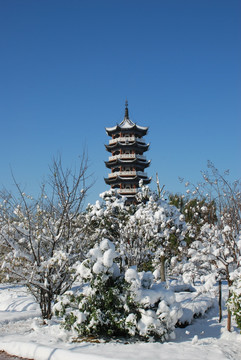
point(43, 236)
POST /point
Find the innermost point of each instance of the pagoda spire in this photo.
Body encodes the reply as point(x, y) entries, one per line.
point(126, 110)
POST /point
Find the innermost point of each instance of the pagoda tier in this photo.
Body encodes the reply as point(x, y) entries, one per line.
point(132, 178)
point(125, 127)
point(127, 156)
point(127, 162)
point(135, 145)
point(134, 162)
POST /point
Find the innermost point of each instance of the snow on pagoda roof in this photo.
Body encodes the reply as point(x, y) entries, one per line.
point(131, 145)
point(111, 128)
point(126, 123)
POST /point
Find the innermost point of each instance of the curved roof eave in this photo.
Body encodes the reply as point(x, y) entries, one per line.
point(136, 161)
point(124, 127)
point(131, 178)
point(118, 143)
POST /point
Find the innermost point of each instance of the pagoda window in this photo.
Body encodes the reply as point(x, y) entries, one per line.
point(129, 186)
point(116, 169)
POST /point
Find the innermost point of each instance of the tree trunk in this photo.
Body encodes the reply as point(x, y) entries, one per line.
point(229, 321)
point(46, 304)
point(229, 312)
point(220, 300)
point(162, 269)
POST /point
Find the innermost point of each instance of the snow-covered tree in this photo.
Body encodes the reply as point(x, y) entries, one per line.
point(196, 211)
point(106, 218)
point(155, 232)
point(216, 251)
point(145, 234)
point(224, 196)
point(217, 248)
point(43, 237)
point(112, 304)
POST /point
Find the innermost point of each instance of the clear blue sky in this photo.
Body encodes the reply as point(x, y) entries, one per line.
point(67, 66)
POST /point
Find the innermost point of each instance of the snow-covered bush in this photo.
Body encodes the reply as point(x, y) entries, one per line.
point(106, 219)
point(216, 251)
point(154, 233)
point(97, 308)
point(234, 301)
point(197, 212)
point(145, 234)
point(113, 304)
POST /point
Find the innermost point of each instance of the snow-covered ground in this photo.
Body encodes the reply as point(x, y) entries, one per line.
point(22, 334)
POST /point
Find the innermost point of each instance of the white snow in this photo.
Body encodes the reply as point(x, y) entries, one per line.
point(83, 269)
point(108, 257)
point(23, 334)
point(98, 267)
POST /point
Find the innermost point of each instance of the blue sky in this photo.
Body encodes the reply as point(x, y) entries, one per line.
point(67, 66)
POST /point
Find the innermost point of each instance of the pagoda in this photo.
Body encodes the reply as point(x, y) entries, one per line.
point(127, 162)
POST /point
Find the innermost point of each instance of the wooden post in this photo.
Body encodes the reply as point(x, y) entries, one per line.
point(162, 270)
point(220, 299)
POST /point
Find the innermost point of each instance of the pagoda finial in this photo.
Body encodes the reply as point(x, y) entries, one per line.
point(126, 110)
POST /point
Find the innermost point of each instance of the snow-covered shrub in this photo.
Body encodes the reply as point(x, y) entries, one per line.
point(113, 304)
point(157, 311)
point(99, 307)
point(106, 219)
point(234, 302)
point(154, 233)
point(197, 211)
point(144, 234)
point(216, 251)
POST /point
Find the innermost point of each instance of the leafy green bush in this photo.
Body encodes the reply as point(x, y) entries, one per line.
point(112, 304)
